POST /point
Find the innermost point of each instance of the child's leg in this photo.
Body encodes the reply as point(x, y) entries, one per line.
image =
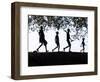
point(39, 46)
point(69, 46)
point(54, 48)
point(58, 48)
point(65, 48)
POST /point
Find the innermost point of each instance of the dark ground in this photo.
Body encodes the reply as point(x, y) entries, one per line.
point(56, 58)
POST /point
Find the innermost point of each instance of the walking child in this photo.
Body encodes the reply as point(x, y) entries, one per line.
point(68, 40)
point(83, 44)
point(57, 42)
point(42, 39)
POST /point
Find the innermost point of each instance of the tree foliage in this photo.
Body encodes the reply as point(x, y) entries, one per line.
point(59, 22)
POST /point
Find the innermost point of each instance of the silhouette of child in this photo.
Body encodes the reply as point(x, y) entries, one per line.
point(68, 40)
point(83, 44)
point(42, 39)
point(57, 42)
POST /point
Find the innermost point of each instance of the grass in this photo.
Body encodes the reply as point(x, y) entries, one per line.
point(56, 58)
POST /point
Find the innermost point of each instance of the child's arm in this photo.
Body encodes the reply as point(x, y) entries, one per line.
point(65, 31)
point(71, 39)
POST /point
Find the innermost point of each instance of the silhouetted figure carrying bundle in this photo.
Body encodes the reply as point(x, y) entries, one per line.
point(57, 42)
point(83, 44)
point(68, 40)
point(42, 39)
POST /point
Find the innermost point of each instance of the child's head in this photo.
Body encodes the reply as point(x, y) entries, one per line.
point(41, 28)
point(68, 30)
point(83, 39)
point(57, 33)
